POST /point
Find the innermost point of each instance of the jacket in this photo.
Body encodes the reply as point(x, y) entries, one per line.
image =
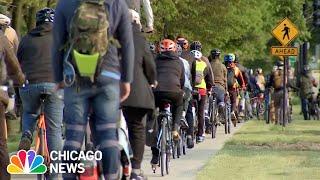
point(220, 72)
point(35, 51)
point(12, 36)
point(170, 72)
point(119, 27)
point(141, 95)
point(10, 67)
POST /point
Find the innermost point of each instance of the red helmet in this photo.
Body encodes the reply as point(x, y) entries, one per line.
point(167, 45)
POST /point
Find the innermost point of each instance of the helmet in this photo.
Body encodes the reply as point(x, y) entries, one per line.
point(215, 52)
point(167, 45)
point(251, 72)
point(4, 20)
point(280, 63)
point(229, 58)
point(259, 71)
point(45, 15)
point(152, 47)
point(183, 42)
point(196, 45)
point(179, 50)
point(196, 54)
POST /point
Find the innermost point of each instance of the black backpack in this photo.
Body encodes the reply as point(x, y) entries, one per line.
point(231, 78)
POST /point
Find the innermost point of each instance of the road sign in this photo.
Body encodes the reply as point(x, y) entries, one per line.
point(285, 32)
point(284, 51)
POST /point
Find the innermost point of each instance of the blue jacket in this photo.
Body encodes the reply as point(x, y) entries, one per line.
point(120, 28)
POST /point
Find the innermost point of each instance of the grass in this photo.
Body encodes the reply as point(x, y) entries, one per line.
point(14, 135)
point(263, 152)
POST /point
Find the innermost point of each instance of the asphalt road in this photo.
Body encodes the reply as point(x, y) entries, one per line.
point(186, 167)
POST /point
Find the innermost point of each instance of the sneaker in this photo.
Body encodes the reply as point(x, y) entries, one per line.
point(154, 160)
point(233, 115)
point(184, 123)
point(148, 29)
point(190, 143)
point(26, 141)
point(138, 176)
point(200, 139)
point(175, 135)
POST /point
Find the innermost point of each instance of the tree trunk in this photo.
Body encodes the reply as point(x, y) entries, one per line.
point(17, 15)
point(31, 18)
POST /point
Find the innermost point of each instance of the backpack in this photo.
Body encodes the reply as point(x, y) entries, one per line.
point(231, 78)
point(89, 36)
point(278, 78)
point(199, 76)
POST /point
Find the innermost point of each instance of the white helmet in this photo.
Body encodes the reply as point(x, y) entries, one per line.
point(196, 54)
point(4, 20)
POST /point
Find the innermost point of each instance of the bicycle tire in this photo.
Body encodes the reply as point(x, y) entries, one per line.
point(169, 147)
point(184, 143)
point(163, 147)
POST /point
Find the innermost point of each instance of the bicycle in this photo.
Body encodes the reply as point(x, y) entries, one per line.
point(258, 106)
point(41, 145)
point(181, 145)
point(227, 122)
point(212, 114)
point(164, 140)
point(194, 101)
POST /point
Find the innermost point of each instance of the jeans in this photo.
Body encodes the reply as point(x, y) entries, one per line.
point(219, 94)
point(4, 155)
point(53, 109)
point(82, 99)
point(304, 106)
point(134, 118)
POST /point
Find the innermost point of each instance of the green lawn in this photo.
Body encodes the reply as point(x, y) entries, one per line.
point(259, 151)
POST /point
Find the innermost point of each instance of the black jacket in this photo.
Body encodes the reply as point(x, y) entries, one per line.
point(170, 72)
point(34, 54)
point(141, 95)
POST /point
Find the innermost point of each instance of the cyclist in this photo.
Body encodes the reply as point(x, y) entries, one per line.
point(234, 83)
point(141, 99)
point(40, 80)
point(9, 32)
point(110, 85)
point(147, 9)
point(276, 82)
point(306, 84)
point(202, 81)
point(244, 96)
point(171, 78)
point(7, 56)
point(185, 54)
point(220, 78)
point(260, 81)
point(196, 45)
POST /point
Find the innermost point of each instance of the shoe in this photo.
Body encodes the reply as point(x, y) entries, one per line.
point(148, 29)
point(138, 176)
point(184, 123)
point(241, 114)
point(190, 143)
point(233, 115)
point(26, 141)
point(200, 139)
point(175, 135)
point(154, 160)
point(208, 130)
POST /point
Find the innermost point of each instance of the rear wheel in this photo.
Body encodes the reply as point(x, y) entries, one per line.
point(163, 145)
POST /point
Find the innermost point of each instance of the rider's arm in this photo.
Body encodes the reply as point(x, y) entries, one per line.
point(208, 77)
point(193, 73)
point(241, 80)
point(182, 76)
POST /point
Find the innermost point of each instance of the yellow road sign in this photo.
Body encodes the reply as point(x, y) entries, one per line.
point(284, 51)
point(285, 32)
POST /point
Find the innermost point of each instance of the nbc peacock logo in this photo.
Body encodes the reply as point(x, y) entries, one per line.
point(26, 163)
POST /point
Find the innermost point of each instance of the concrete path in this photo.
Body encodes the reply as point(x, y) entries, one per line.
point(186, 167)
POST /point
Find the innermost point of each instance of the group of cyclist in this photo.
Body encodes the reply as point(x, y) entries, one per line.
point(174, 71)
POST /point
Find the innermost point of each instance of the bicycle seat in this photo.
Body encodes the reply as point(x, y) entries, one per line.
point(44, 96)
point(164, 103)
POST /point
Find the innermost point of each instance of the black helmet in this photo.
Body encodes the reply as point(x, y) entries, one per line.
point(280, 63)
point(215, 52)
point(196, 45)
point(45, 15)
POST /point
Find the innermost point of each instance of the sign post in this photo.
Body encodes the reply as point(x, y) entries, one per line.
point(285, 32)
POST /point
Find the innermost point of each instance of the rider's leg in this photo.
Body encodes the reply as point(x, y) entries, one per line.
point(105, 106)
point(4, 160)
point(53, 116)
point(134, 118)
point(304, 106)
point(201, 106)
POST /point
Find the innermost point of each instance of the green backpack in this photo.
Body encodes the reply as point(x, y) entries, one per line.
point(89, 36)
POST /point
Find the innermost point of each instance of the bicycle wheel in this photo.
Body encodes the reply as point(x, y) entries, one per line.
point(163, 144)
point(169, 148)
point(184, 142)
